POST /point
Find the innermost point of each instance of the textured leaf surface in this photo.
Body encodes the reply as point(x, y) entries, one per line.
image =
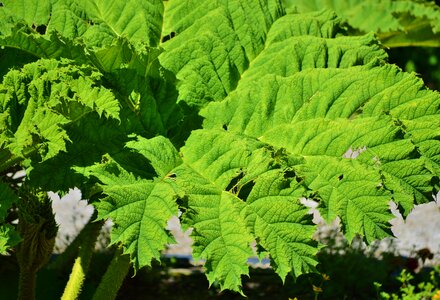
point(38, 102)
point(97, 22)
point(281, 224)
point(117, 38)
point(52, 45)
point(209, 56)
point(397, 22)
point(138, 21)
point(140, 208)
point(285, 99)
point(86, 147)
point(223, 174)
point(283, 132)
point(220, 234)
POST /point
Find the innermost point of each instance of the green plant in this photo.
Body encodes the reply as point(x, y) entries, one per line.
point(107, 96)
point(397, 23)
point(425, 290)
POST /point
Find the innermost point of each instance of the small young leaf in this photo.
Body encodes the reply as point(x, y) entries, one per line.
point(8, 238)
point(7, 198)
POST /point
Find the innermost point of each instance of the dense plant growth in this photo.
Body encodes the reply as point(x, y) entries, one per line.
point(231, 111)
point(397, 23)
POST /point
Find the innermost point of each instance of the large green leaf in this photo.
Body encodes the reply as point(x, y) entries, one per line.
point(118, 38)
point(217, 180)
point(307, 99)
point(97, 22)
point(209, 56)
point(107, 34)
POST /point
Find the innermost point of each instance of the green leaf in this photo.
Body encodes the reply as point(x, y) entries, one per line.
point(50, 45)
point(316, 126)
point(13, 58)
point(148, 89)
point(8, 238)
point(397, 23)
point(140, 208)
point(283, 133)
point(281, 224)
point(85, 149)
point(117, 38)
point(97, 22)
point(7, 198)
point(352, 192)
point(159, 151)
point(39, 101)
point(219, 234)
point(208, 58)
point(28, 11)
point(222, 172)
point(138, 21)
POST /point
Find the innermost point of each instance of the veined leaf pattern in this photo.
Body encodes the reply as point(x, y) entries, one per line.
point(109, 91)
point(310, 95)
point(140, 208)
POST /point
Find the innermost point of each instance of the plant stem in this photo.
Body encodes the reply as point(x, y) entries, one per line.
point(114, 276)
point(68, 256)
point(82, 262)
point(38, 229)
point(26, 283)
point(76, 279)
